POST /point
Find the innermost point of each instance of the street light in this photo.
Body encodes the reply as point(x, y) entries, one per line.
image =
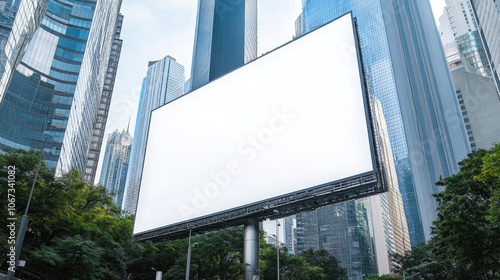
point(188, 262)
point(278, 248)
point(24, 222)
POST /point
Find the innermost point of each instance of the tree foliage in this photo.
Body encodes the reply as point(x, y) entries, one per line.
point(466, 231)
point(77, 232)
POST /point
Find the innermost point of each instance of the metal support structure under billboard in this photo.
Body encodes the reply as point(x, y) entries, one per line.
point(251, 250)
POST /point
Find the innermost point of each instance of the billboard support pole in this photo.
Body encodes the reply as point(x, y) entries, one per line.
point(251, 250)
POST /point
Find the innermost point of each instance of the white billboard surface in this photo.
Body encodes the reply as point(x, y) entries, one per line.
point(293, 119)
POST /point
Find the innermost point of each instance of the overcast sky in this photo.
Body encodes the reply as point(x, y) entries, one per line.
point(153, 29)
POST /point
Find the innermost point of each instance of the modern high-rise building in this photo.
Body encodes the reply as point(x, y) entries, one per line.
point(461, 39)
point(290, 233)
point(380, 81)
point(164, 82)
point(488, 17)
point(115, 164)
point(53, 98)
point(480, 106)
point(386, 211)
point(343, 231)
point(471, 73)
point(8, 12)
point(225, 38)
point(406, 70)
point(432, 120)
point(102, 113)
point(16, 32)
point(89, 88)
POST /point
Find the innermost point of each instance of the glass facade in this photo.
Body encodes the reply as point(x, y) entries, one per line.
point(488, 16)
point(433, 124)
point(163, 83)
point(115, 165)
point(406, 70)
point(90, 83)
point(16, 31)
point(102, 113)
point(342, 230)
point(461, 39)
point(53, 98)
point(380, 79)
point(37, 103)
point(225, 38)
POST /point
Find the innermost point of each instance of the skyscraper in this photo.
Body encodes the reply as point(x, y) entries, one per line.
point(53, 98)
point(480, 107)
point(102, 113)
point(225, 38)
point(115, 164)
point(471, 73)
point(380, 80)
point(289, 229)
point(488, 16)
point(413, 84)
point(343, 231)
point(13, 44)
point(163, 83)
point(461, 40)
point(432, 120)
point(386, 211)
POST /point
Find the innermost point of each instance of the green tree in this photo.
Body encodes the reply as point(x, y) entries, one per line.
point(327, 262)
point(65, 213)
point(422, 264)
point(466, 231)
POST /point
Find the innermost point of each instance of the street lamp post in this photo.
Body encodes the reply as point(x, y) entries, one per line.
point(278, 248)
point(24, 223)
point(188, 262)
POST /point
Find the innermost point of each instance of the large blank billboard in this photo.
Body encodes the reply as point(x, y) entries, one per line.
point(292, 120)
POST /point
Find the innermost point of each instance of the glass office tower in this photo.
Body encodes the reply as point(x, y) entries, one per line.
point(342, 230)
point(102, 113)
point(427, 137)
point(115, 164)
point(380, 80)
point(163, 83)
point(225, 38)
point(433, 124)
point(53, 98)
point(13, 44)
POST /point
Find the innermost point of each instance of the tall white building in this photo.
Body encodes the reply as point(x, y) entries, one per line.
point(163, 83)
point(115, 164)
point(471, 72)
point(488, 18)
point(388, 220)
point(461, 39)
